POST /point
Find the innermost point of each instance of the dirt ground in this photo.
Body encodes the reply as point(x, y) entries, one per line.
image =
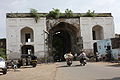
point(41, 72)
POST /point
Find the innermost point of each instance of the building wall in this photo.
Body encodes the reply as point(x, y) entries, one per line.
point(102, 46)
point(14, 26)
point(86, 25)
point(13, 31)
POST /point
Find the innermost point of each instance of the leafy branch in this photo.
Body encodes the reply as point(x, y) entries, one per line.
point(90, 14)
point(34, 13)
point(55, 13)
point(68, 13)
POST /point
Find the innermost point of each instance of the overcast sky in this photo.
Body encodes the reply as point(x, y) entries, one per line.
point(81, 6)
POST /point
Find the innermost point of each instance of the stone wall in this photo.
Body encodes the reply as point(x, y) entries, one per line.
point(13, 33)
point(83, 24)
point(86, 25)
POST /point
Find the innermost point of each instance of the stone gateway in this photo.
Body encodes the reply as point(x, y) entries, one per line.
point(50, 37)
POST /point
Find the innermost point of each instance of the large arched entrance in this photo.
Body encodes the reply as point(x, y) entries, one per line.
point(61, 44)
point(62, 39)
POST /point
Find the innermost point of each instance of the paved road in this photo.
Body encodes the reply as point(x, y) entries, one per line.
point(59, 71)
point(41, 72)
point(92, 71)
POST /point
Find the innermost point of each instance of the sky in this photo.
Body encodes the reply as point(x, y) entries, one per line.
point(77, 6)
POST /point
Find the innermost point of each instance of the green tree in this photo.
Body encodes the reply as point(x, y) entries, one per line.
point(2, 53)
point(34, 13)
point(90, 13)
point(68, 13)
point(55, 13)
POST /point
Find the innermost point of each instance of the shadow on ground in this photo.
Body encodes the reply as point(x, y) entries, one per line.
point(2, 74)
point(26, 67)
point(114, 65)
point(19, 69)
point(16, 70)
point(69, 66)
point(116, 78)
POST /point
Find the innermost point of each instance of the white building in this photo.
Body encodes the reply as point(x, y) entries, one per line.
point(25, 36)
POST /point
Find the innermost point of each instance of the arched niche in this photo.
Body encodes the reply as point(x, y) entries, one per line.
point(27, 35)
point(97, 32)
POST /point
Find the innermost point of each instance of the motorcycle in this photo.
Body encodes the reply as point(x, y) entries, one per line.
point(69, 61)
point(83, 62)
point(69, 57)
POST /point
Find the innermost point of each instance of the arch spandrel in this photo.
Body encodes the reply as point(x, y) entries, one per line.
point(53, 22)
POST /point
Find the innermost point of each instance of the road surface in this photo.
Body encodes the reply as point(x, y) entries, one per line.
point(41, 72)
point(92, 71)
point(59, 71)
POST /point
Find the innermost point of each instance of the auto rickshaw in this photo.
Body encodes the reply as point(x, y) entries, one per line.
point(26, 60)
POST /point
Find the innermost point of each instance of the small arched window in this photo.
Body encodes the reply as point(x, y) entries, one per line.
point(27, 35)
point(97, 33)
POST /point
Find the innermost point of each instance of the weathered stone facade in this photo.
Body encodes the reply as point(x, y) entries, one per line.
point(24, 34)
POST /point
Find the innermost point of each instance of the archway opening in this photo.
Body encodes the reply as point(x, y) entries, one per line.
point(62, 39)
point(61, 44)
point(97, 33)
point(27, 49)
point(27, 35)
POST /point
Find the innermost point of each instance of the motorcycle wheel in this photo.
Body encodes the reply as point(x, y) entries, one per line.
point(69, 64)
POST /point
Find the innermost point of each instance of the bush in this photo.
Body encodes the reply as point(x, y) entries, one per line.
point(68, 13)
point(55, 13)
point(90, 14)
point(2, 53)
point(35, 14)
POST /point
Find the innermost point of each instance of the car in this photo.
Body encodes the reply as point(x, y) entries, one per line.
point(3, 67)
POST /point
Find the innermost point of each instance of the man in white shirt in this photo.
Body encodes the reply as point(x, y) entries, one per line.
point(83, 58)
point(68, 55)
